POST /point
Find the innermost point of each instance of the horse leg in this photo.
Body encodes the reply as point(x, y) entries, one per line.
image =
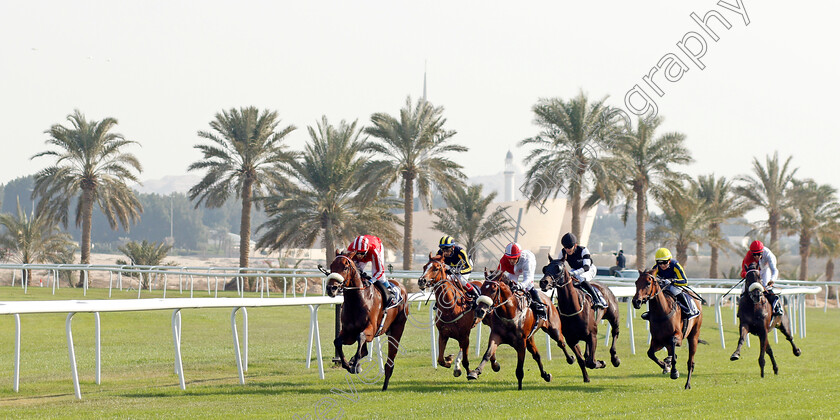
point(693, 338)
point(395, 333)
point(672, 354)
point(591, 345)
point(772, 359)
point(491, 352)
point(494, 364)
point(762, 349)
point(339, 350)
point(744, 331)
point(655, 347)
point(354, 361)
point(443, 361)
point(613, 320)
point(464, 344)
point(557, 336)
point(520, 364)
point(784, 327)
point(581, 362)
point(532, 348)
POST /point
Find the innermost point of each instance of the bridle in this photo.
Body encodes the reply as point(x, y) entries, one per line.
point(554, 278)
point(354, 273)
point(651, 281)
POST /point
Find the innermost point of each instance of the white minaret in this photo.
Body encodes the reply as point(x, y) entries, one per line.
point(509, 176)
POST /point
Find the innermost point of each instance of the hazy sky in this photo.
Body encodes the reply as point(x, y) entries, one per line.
point(164, 68)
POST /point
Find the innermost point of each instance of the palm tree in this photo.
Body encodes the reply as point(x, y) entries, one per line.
point(570, 132)
point(719, 200)
point(246, 155)
point(144, 253)
point(767, 190)
point(683, 221)
point(815, 210)
point(334, 196)
point(640, 163)
point(92, 167)
point(828, 246)
point(33, 239)
point(414, 147)
point(467, 218)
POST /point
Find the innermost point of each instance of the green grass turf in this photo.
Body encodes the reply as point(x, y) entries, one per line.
point(138, 380)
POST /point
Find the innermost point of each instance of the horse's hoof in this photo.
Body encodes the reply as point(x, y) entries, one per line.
point(734, 357)
point(675, 374)
point(616, 361)
point(586, 380)
point(797, 352)
point(666, 371)
point(472, 376)
point(547, 377)
point(775, 371)
point(496, 367)
point(570, 360)
point(448, 359)
point(687, 385)
point(599, 364)
point(457, 373)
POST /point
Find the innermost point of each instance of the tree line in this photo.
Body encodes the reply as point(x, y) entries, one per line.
point(339, 185)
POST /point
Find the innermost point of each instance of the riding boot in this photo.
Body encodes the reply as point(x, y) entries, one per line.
point(775, 303)
point(472, 295)
point(685, 322)
point(597, 300)
point(536, 304)
point(387, 296)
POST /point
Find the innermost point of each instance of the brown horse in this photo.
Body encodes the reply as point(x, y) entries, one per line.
point(514, 324)
point(363, 316)
point(454, 318)
point(580, 321)
point(755, 316)
point(666, 324)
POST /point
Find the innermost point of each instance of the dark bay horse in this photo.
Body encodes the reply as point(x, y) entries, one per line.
point(755, 316)
point(514, 324)
point(666, 324)
point(455, 318)
point(580, 321)
point(363, 316)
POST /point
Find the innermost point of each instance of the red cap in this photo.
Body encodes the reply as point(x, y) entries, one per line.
point(512, 250)
point(756, 246)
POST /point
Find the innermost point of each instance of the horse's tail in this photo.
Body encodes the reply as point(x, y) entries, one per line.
point(702, 341)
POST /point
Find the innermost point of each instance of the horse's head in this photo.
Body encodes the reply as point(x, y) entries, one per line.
point(343, 273)
point(434, 272)
point(552, 272)
point(646, 288)
point(493, 291)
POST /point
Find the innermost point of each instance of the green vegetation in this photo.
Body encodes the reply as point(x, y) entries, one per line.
point(138, 379)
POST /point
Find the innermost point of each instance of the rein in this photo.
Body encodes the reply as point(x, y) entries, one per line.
point(441, 282)
point(560, 286)
point(673, 304)
point(355, 274)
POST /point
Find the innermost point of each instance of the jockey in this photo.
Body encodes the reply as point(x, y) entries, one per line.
point(670, 269)
point(368, 248)
point(582, 269)
point(522, 264)
point(459, 262)
point(764, 259)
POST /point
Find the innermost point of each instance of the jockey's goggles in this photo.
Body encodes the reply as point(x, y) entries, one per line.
point(660, 262)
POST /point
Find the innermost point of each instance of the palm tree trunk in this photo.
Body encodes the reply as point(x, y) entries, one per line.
point(682, 253)
point(773, 223)
point(714, 230)
point(87, 221)
point(829, 270)
point(245, 229)
point(576, 192)
point(804, 251)
point(329, 243)
point(408, 192)
point(641, 212)
point(713, 265)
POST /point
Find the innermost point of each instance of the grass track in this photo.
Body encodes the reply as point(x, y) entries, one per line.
point(138, 380)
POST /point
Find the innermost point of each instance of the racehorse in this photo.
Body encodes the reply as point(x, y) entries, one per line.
point(666, 324)
point(514, 324)
point(455, 317)
point(580, 321)
point(363, 315)
point(755, 316)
